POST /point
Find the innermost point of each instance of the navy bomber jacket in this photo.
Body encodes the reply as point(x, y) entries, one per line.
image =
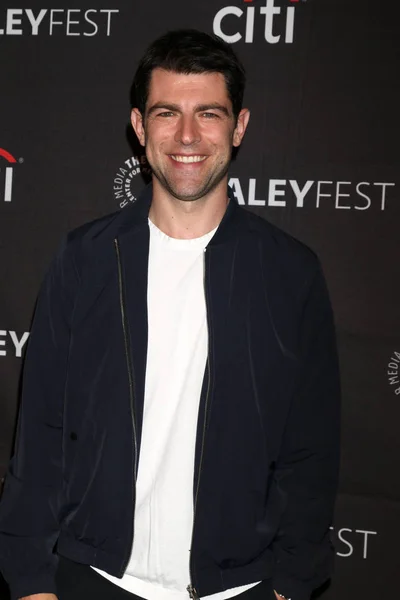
point(267, 443)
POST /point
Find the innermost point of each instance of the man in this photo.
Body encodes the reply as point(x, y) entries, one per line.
point(178, 435)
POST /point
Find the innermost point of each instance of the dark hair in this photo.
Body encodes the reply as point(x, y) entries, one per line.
point(190, 51)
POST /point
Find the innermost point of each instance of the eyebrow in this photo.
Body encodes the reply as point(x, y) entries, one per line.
point(198, 107)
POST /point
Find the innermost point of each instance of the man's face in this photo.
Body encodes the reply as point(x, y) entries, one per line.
point(188, 130)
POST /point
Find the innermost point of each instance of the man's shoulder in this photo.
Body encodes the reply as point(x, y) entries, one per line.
point(109, 226)
point(283, 247)
point(90, 236)
point(90, 230)
point(88, 242)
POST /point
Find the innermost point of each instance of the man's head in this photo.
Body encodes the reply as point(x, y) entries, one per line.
point(188, 111)
point(189, 52)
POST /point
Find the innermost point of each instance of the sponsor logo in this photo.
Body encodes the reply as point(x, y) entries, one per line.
point(341, 195)
point(12, 343)
point(57, 21)
point(393, 372)
point(127, 185)
point(7, 174)
point(234, 24)
point(352, 541)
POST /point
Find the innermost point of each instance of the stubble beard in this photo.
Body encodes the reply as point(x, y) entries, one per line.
point(201, 190)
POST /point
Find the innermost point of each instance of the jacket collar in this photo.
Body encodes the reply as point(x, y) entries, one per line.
point(135, 216)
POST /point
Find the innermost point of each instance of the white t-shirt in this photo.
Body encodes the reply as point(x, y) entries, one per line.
point(158, 568)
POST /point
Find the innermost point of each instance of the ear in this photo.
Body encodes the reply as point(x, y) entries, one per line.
point(137, 124)
point(241, 126)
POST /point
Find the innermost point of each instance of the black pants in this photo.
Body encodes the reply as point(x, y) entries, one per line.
point(80, 582)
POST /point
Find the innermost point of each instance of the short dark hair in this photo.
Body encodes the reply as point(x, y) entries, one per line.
point(190, 51)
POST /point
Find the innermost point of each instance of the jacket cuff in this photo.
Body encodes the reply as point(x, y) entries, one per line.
point(43, 583)
point(291, 588)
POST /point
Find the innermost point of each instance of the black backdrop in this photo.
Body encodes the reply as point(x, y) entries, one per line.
point(320, 160)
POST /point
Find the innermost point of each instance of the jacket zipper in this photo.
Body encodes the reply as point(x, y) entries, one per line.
point(128, 356)
point(190, 588)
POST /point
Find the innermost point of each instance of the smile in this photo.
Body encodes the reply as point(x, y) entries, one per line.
point(188, 159)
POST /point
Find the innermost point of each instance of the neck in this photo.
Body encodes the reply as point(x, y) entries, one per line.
point(185, 219)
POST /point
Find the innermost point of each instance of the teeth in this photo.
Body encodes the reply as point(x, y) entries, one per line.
point(188, 159)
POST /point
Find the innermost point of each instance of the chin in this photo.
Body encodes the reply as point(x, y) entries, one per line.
point(187, 196)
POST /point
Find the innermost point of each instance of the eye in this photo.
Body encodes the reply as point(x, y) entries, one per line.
point(165, 114)
point(209, 115)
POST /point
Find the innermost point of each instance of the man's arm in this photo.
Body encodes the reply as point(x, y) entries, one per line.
point(307, 469)
point(29, 508)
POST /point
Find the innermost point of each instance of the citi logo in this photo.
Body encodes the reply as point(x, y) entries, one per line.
point(233, 23)
point(7, 174)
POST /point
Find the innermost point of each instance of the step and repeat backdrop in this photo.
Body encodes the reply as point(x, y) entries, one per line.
point(320, 160)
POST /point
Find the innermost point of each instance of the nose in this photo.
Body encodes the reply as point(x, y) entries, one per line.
point(187, 132)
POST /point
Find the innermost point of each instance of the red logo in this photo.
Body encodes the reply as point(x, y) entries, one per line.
point(9, 173)
point(9, 157)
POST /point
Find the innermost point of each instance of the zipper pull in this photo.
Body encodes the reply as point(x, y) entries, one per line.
point(192, 592)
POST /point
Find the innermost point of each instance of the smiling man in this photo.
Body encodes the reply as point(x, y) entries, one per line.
point(178, 432)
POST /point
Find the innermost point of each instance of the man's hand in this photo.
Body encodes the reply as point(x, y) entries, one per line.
point(40, 597)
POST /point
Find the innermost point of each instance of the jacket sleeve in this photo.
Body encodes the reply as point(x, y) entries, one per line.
point(308, 465)
point(29, 508)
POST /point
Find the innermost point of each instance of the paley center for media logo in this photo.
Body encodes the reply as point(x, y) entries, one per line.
point(7, 167)
point(130, 179)
point(393, 372)
point(234, 23)
point(57, 21)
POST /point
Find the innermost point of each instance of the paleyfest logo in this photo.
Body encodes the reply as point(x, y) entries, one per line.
point(349, 542)
point(233, 23)
point(57, 21)
point(7, 174)
point(339, 195)
point(12, 342)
